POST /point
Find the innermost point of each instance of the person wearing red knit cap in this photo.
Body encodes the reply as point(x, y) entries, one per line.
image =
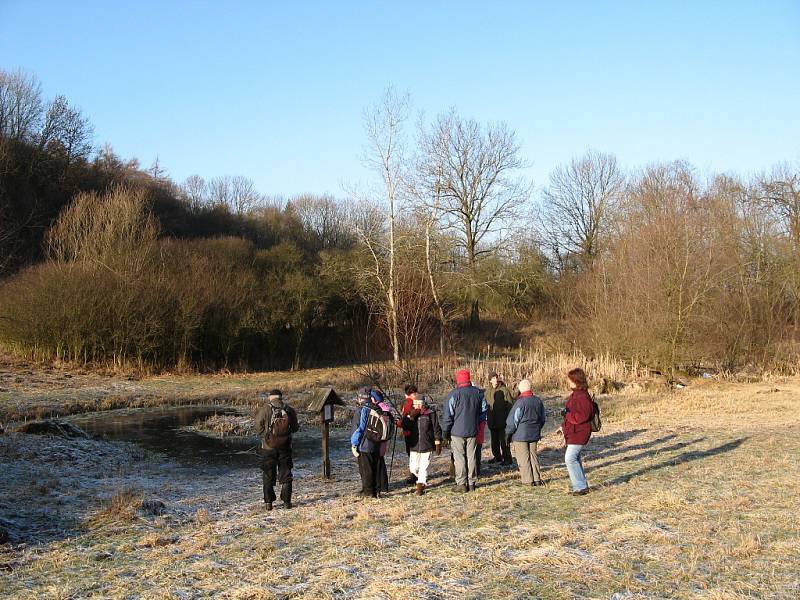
point(464, 410)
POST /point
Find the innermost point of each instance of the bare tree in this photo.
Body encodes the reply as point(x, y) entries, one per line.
point(325, 218)
point(195, 192)
point(384, 154)
point(156, 170)
point(780, 193)
point(238, 193)
point(20, 105)
point(577, 205)
point(426, 190)
point(65, 132)
point(244, 195)
point(472, 169)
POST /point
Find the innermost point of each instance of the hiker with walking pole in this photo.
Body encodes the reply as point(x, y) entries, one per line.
point(383, 402)
point(373, 427)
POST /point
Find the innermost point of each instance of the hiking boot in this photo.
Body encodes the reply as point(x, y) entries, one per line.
point(492, 461)
point(461, 489)
point(287, 505)
point(420, 489)
point(268, 505)
point(472, 487)
point(411, 479)
point(538, 483)
point(582, 492)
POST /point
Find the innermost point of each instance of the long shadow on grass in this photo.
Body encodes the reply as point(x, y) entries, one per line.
point(641, 455)
point(599, 447)
point(608, 441)
point(554, 456)
point(678, 460)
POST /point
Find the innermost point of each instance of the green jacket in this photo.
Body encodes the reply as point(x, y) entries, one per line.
point(500, 401)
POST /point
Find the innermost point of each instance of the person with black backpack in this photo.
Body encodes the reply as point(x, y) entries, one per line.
point(275, 423)
point(372, 428)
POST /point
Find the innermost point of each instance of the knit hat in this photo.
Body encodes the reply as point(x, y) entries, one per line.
point(275, 397)
point(363, 394)
point(524, 386)
point(419, 401)
point(463, 377)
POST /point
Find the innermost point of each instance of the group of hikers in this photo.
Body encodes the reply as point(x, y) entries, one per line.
point(515, 423)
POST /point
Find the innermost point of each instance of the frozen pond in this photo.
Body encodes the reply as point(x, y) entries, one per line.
point(163, 430)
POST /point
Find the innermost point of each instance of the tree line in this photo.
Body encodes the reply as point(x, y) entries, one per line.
point(449, 247)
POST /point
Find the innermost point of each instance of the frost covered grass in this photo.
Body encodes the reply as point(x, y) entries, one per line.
point(32, 391)
point(695, 498)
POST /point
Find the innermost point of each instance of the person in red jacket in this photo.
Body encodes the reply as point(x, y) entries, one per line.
point(577, 429)
point(411, 394)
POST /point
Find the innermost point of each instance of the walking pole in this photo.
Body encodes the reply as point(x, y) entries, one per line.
point(391, 464)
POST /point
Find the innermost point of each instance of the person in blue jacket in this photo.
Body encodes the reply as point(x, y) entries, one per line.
point(366, 451)
point(524, 430)
point(464, 409)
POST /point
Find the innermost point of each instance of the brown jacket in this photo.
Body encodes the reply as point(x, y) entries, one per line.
point(500, 401)
point(264, 418)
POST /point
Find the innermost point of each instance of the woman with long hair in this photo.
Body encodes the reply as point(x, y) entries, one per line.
point(577, 429)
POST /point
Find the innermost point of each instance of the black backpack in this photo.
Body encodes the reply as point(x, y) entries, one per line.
point(380, 425)
point(279, 430)
point(594, 422)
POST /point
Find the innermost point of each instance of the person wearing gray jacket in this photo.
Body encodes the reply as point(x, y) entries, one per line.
point(524, 430)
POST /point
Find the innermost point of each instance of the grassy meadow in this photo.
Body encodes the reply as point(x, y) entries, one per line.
point(694, 496)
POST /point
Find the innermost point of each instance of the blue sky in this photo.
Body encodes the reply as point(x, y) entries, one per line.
point(275, 91)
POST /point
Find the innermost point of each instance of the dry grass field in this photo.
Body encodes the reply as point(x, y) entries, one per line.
point(695, 496)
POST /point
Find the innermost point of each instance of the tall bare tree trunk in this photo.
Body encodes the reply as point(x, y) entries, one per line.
point(436, 299)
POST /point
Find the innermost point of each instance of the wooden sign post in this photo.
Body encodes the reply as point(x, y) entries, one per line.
point(323, 403)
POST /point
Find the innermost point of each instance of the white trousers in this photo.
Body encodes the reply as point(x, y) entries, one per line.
point(418, 464)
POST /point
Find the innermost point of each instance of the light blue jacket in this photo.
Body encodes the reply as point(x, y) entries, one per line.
point(358, 439)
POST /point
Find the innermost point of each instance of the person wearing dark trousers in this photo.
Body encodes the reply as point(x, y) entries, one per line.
point(479, 439)
point(524, 430)
point(275, 423)
point(499, 399)
point(365, 450)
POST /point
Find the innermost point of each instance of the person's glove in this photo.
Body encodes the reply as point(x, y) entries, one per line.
point(564, 411)
point(355, 451)
point(438, 448)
